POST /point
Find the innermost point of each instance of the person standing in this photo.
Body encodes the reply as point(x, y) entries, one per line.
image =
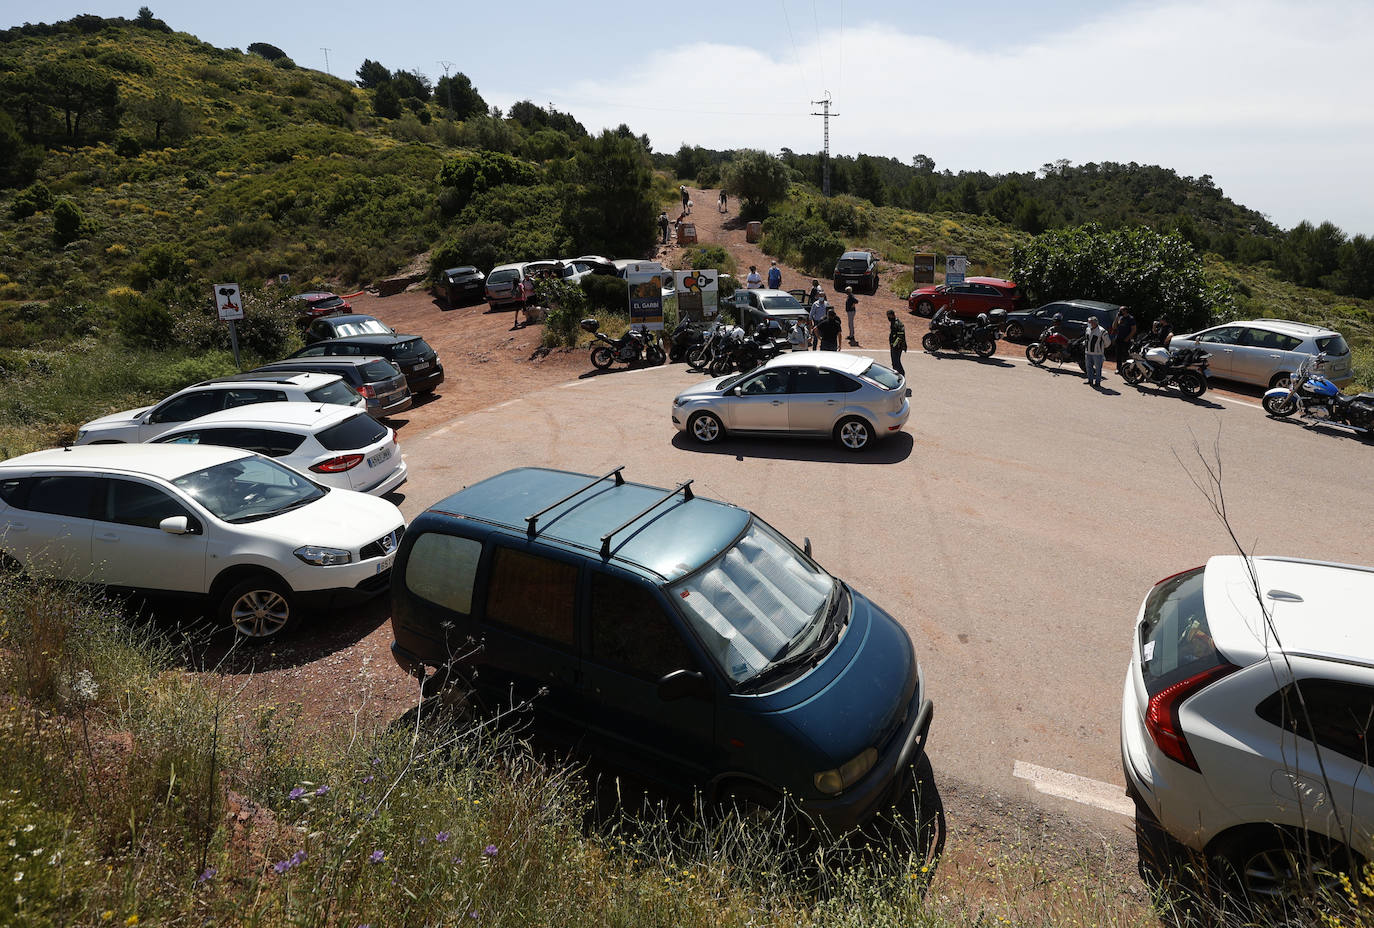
point(774, 276)
point(526, 286)
point(815, 293)
point(724, 203)
point(851, 306)
point(819, 307)
point(1122, 331)
point(896, 341)
point(682, 190)
point(663, 224)
point(753, 281)
point(830, 331)
point(1095, 350)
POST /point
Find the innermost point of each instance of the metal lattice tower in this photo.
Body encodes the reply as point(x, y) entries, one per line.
point(326, 61)
point(824, 104)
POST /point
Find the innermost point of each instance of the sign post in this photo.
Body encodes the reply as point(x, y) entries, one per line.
point(646, 297)
point(697, 294)
point(923, 268)
point(229, 304)
point(956, 266)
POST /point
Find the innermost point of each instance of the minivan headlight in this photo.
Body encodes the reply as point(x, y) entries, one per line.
point(319, 556)
point(834, 782)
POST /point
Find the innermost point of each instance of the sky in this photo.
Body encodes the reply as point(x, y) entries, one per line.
point(1272, 98)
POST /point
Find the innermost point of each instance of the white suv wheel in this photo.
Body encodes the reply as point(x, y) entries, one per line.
point(258, 608)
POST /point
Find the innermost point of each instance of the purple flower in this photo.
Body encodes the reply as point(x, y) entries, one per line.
point(208, 875)
point(298, 857)
point(296, 793)
point(376, 857)
point(376, 761)
point(457, 860)
point(441, 837)
point(322, 790)
point(472, 914)
point(368, 778)
point(489, 851)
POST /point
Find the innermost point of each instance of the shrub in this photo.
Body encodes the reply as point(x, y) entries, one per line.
point(469, 175)
point(67, 222)
point(819, 251)
point(567, 306)
point(699, 257)
point(607, 293)
point(126, 61)
point(32, 199)
point(127, 145)
point(159, 262)
point(144, 323)
point(171, 376)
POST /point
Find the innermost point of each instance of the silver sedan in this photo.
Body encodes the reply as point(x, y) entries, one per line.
point(848, 397)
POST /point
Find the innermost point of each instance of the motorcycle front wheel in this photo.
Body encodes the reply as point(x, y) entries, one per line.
point(654, 356)
point(930, 342)
point(1192, 384)
point(602, 358)
point(985, 348)
point(694, 357)
point(1280, 406)
point(1035, 353)
point(1131, 373)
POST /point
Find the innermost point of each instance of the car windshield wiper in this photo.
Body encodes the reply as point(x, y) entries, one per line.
point(259, 516)
point(816, 644)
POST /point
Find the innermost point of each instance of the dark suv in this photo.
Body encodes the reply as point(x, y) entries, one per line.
point(679, 637)
point(410, 353)
point(857, 269)
point(376, 379)
point(1028, 325)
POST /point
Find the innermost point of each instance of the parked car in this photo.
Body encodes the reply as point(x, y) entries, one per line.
point(320, 303)
point(503, 285)
point(1266, 352)
point(850, 398)
point(748, 308)
point(338, 446)
point(410, 353)
point(593, 264)
point(343, 326)
point(639, 624)
point(463, 285)
point(975, 295)
point(1029, 325)
point(147, 422)
point(1217, 749)
point(380, 383)
point(857, 269)
point(260, 541)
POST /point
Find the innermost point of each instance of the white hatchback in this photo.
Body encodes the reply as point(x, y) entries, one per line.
point(1247, 713)
point(259, 540)
point(338, 445)
point(1266, 352)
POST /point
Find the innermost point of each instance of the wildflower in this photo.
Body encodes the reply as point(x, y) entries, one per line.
point(19, 876)
point(441, 837)
point(322, 790)
point(207, 876)
point(131, 920)
point(489, 851)
point(296, 793)
point(107, 915)
point(472, 914)
point(295, 859)
point(376, 761)
point(368, 778)
point(376, 857)
point(28, 828)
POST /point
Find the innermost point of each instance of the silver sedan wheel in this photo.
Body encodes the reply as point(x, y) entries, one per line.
point(260, 613)
point(855, 434)
point(706, 428)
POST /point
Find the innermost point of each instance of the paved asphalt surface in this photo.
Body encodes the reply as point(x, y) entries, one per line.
point(1013, 528)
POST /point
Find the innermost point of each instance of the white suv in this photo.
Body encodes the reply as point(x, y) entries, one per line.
point(201, 399)
point(260, 540)
point(1215, 743)
point(1266, 352)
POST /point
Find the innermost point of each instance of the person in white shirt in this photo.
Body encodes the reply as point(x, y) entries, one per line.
point(1094, 350)
point(818, 310)
point(753, 281)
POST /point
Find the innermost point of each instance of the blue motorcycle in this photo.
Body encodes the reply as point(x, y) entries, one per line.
point(1312, 396)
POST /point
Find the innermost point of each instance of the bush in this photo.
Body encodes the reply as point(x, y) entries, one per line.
point(32, 199)
point(819, 251)
point(699, 257)
point(67, 222)
point(607, 293)
point(157, 263)
point(567, 306)
point(144, 323)
point(127, 145)
point(167, 378)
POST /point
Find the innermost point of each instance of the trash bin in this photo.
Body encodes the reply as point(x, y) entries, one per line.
point(753, 231)
point(687, 233)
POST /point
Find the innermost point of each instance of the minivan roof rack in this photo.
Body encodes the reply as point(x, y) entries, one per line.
point(531, 521)
point(685, 488)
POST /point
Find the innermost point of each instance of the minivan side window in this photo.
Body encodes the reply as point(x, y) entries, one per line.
point(532, 594)
point(62, 496)
point(442, 569)
point(629, 630)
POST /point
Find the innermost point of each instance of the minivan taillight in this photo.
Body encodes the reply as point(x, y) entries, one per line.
point(368, 391)
point(1161, 715)
point(337, 465)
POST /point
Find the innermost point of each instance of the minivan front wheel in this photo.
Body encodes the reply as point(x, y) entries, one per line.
point(1281, 379)
point(258, 608)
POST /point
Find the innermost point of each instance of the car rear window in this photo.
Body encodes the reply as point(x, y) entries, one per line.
point(788, 302)
point(416, 347)
point(374, 371)
point(1333, 345)
point(329, 302)
point(853, 264)
point(1175, 640)
point(350, 327)
point(353, 433)
point(884, 377)
point(336, 392)
point(501, 277)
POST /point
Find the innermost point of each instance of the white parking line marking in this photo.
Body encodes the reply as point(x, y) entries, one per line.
point(571, 383)
point(1227, 399)
point(1072, 786)
point(505, 404)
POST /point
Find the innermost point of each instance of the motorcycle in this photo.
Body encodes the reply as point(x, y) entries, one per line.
point(961, 335)
point(635, 347)
point(1058, 347)
point(1185, 368)
point(699, 357)
point(685, 336)
point(742, 352)
point(1312, 396)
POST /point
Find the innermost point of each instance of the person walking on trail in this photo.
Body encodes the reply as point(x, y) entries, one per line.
point(682, 189)
point(851, 306)
point(1122, 331)
point(819, 307)
point(1095, 350)
point(774, 277)
point(663, 224)
point(724, 203)
point(753, 281)
point(526, 298)
point(896, 341)
point(830, 331)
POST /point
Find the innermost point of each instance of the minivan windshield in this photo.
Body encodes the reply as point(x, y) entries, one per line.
point(758, 603)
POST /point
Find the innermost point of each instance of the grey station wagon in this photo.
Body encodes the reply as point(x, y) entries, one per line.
point(681, 638)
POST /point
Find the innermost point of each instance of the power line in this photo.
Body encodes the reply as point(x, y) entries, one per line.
point(820, 55)
point(840, 80)
point(795, 52)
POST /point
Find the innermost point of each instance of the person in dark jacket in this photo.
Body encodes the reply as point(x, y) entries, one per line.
point(830, 331)
point(851, 306)
point(896, 341)
point(1122, 331)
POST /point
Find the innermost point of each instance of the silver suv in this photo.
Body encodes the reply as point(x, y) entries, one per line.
point(1266, 352)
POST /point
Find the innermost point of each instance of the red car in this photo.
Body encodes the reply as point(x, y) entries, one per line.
point(320, 303)
point(975, 295)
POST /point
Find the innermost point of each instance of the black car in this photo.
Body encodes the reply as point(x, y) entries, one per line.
point(379, 381)
point(463, 285)
point(408, 352)
point(344, 326)
point(1028, 325)
point(857, 269)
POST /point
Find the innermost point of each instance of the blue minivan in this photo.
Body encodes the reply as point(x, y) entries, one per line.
point(678, 637)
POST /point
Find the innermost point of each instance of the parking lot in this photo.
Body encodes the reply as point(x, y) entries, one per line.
point(1013, 528)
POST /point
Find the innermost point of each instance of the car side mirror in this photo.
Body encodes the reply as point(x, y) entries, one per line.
point(734, 391)
point(177, 525)
point(683, 683)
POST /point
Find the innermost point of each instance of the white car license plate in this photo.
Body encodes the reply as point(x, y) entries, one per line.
point(379, 457)
point(422, 366)
point(385, 563)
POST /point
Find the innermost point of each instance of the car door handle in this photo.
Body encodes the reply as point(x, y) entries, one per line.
point(107, 536)
point(777, 402)
point(1276, 357)
point(832, 402)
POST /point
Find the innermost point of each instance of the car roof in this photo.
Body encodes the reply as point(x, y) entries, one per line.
point(464, 269)
point(506, 267)
point(164, 461)
point(305, 379)
point(372, 338)
point(1316, 608)
point(1300, 329)
point(314, 295)
point(670, 540)
point(305, 416)
point(991, 281)
point(830, 360)
point(856, 254)
point(1087, 304)
point(324, 360)
point(349, 318)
